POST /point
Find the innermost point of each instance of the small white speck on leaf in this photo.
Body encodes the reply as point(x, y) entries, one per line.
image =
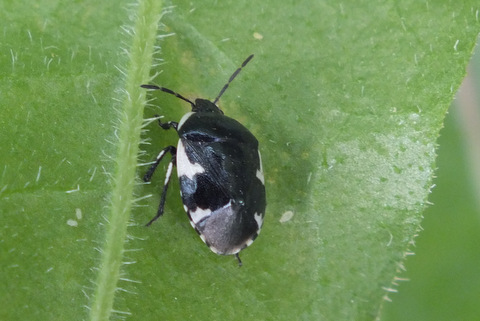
point(456, 45)
point(287, 216)
point(73, 190)
point(78, 213)
point(257, 36)
point(72, 223)
point(38, 173)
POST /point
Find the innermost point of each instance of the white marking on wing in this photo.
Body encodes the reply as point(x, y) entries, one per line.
point(199, 214)
point(184, 167)
point(259, 219)
point(260, 170)
point(184, 119)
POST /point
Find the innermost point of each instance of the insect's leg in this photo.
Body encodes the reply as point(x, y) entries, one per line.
point(238, 258)
point(168, 124)
point(173, 151)
point(148, 175)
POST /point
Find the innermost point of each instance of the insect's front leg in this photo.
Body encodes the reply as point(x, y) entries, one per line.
point(168, 124)
point(148, 176)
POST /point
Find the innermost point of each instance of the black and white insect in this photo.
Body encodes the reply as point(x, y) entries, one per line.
point(220, 172)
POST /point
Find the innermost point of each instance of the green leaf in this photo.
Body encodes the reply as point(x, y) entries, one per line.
point(346, 99)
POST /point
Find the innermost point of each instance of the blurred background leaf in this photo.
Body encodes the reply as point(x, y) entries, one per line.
point(444, 283)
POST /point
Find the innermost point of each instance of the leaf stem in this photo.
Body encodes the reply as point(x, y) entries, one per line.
point(129, 129)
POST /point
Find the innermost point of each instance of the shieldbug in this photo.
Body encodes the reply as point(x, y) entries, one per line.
point(220, 172)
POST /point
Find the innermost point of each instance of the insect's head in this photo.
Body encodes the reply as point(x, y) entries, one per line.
point(205, 106)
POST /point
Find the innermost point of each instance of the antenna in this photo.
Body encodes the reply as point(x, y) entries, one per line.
point(166, 90)
point(232, 77)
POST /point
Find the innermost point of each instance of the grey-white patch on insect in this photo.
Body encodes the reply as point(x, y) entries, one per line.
point(184, 119)
point(260, 170)
point(184, 166)
point(287, 216)
point(199, 214)
point(185, 208)
point(212, 229)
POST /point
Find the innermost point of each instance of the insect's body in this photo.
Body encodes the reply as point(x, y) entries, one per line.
point(221, 180)
point(220, 172)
